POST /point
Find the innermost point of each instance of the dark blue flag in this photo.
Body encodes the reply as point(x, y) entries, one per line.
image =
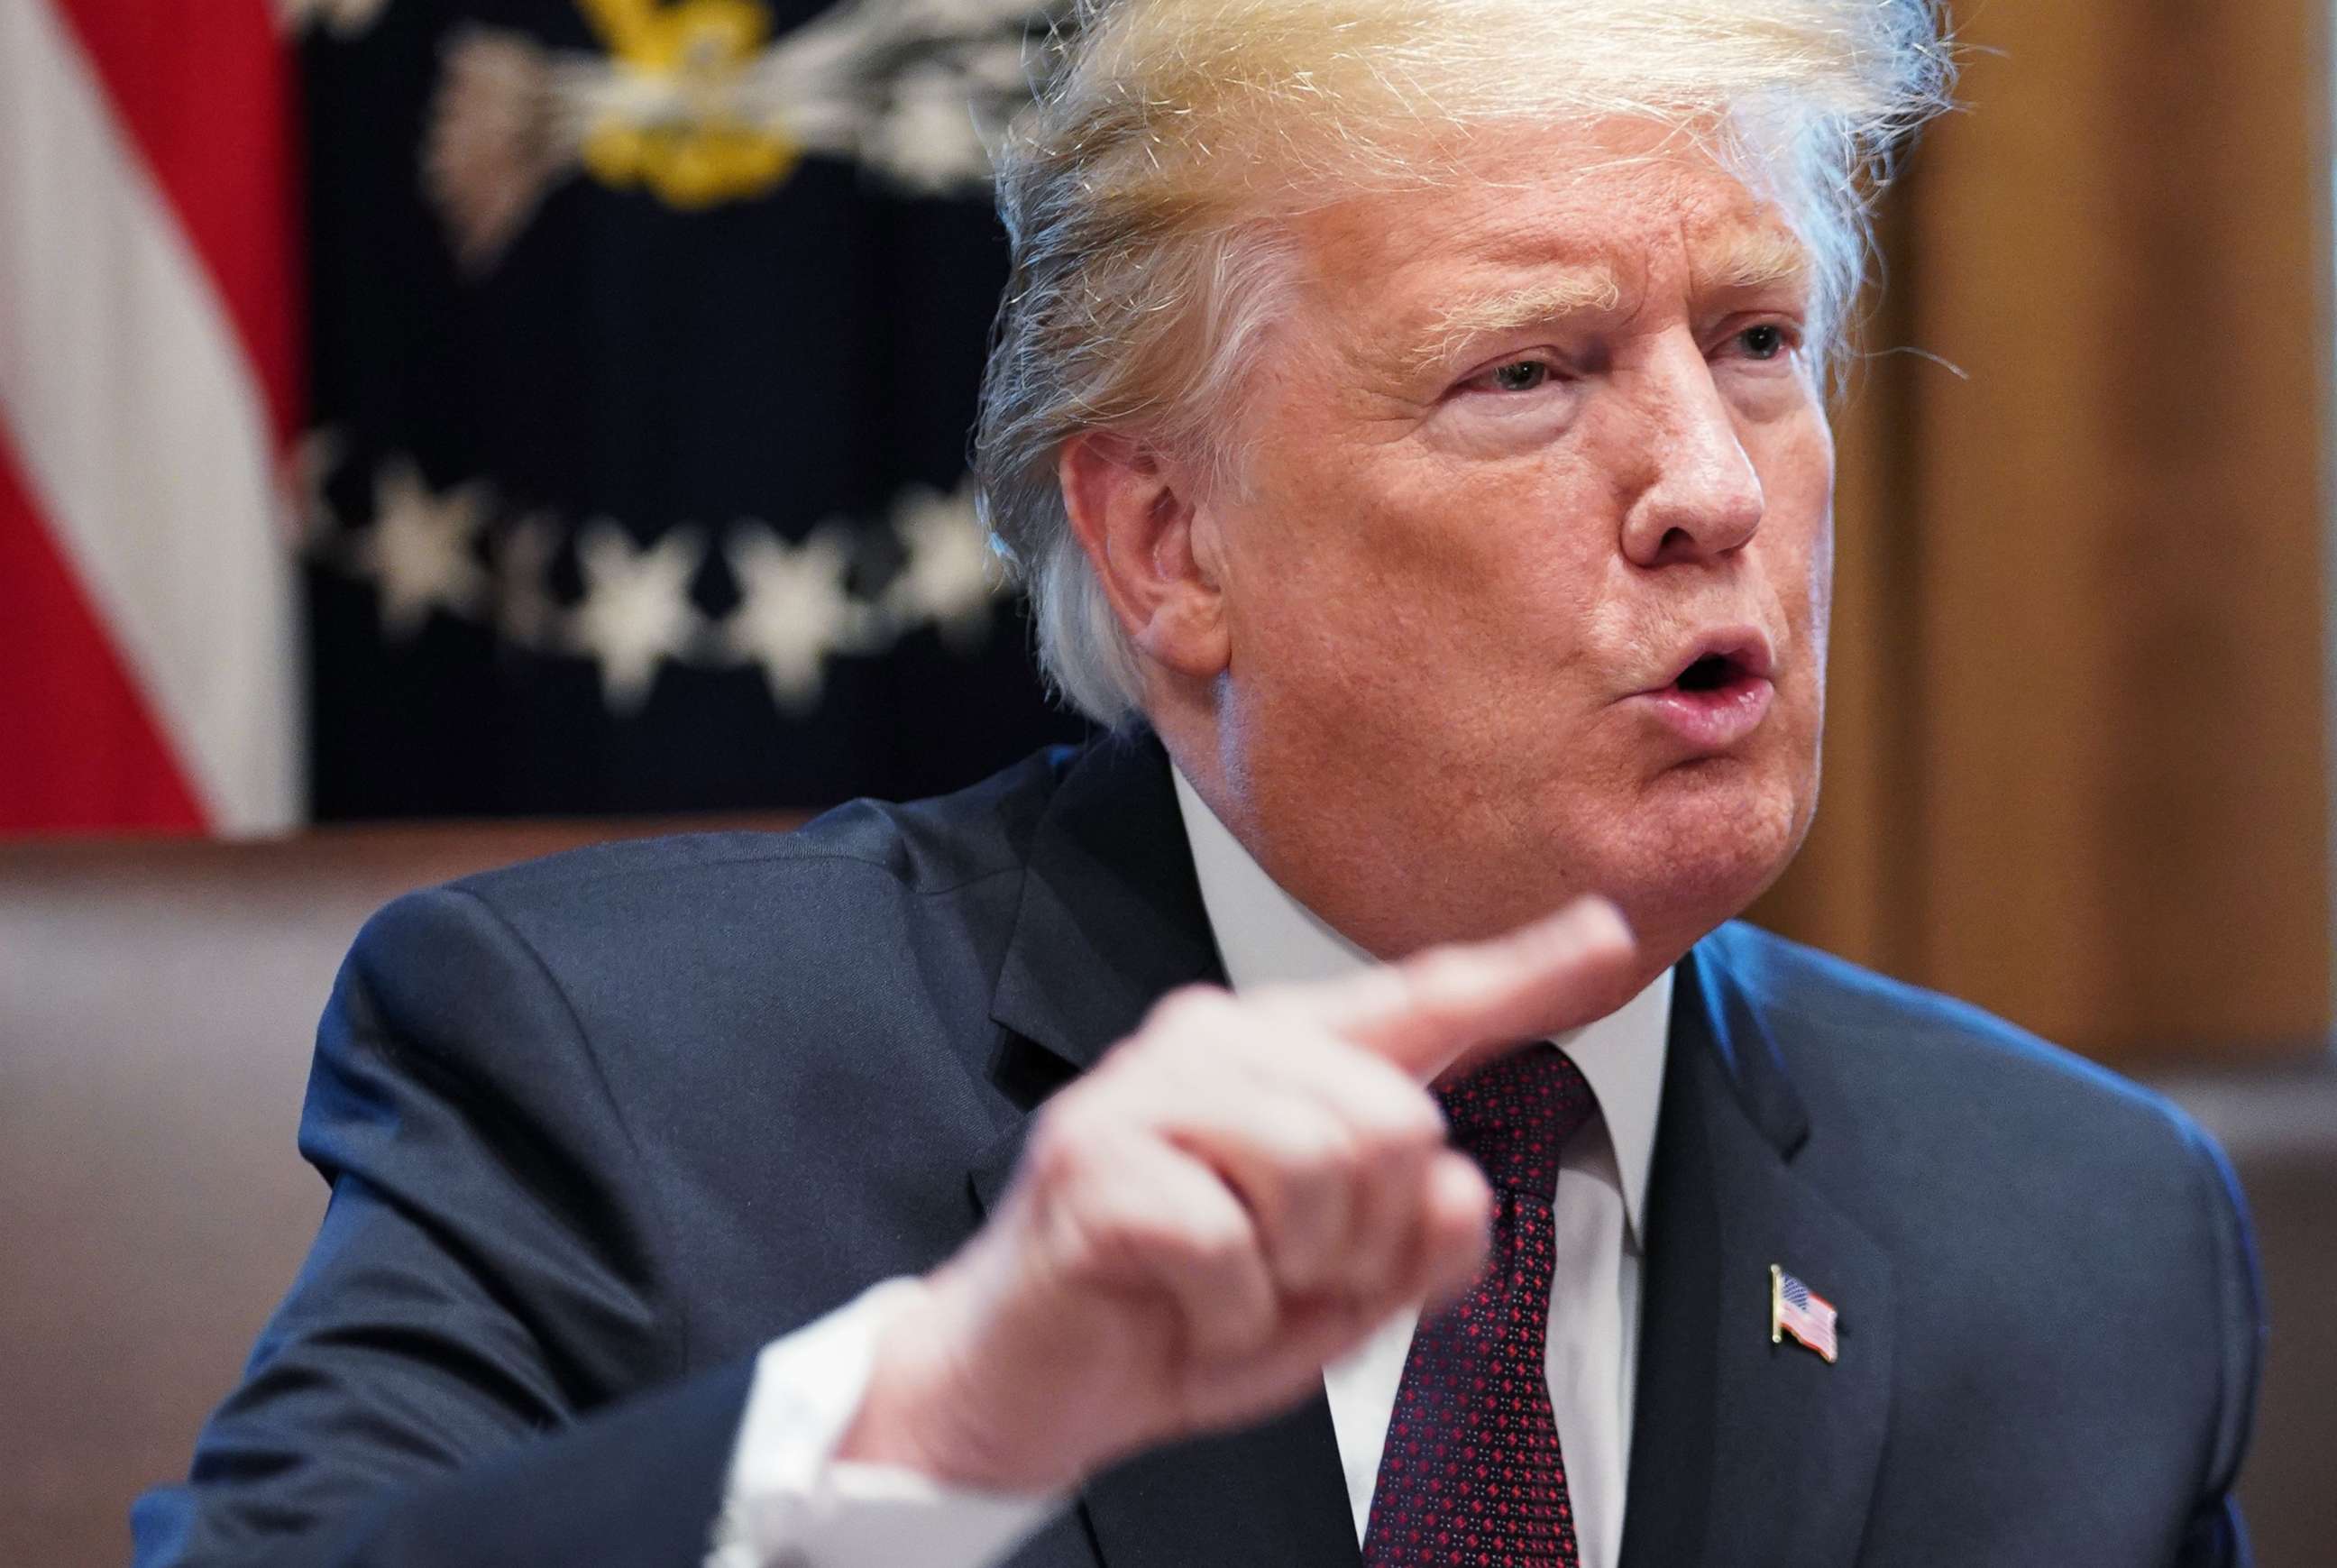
point(646, 336)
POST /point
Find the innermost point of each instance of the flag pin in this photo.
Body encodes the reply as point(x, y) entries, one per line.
point(1794, 1309)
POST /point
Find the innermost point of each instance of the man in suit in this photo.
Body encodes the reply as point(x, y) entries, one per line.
point(1207, 1147)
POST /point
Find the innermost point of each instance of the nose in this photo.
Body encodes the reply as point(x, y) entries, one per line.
point(1700, 496)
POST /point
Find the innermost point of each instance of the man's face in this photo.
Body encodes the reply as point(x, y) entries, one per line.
point(1527, 589)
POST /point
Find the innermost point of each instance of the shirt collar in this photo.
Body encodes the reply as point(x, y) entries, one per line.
point(1266, 938)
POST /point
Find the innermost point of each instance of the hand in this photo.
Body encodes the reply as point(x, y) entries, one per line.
point(1236, 1195)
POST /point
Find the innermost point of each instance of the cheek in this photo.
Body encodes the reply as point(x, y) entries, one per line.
point(1432, 558)
point(1797, 568)
point(1520, 551)
point(1802, 585)
point(1797, 533)
point(1820, 594)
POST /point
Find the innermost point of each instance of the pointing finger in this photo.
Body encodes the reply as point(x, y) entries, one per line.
point(1438, 1006)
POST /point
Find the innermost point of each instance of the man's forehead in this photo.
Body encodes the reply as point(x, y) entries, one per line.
point(1541, 228)
point(1592, 259)
point(1618, 218)
point(1547, 207)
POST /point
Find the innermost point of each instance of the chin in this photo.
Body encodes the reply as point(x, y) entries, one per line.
point(1708, 840)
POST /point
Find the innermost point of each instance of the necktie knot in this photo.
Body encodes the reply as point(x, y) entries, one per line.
point(1513, 1116)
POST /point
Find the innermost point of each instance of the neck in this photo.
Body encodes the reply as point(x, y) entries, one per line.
point(1343, 879)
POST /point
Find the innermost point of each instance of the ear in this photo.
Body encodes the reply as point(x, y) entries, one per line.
point(1135, 516)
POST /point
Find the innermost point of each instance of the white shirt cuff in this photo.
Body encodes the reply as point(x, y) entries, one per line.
point(790, 1504)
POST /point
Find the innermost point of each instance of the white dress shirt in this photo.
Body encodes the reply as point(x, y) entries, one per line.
point(788, 1503)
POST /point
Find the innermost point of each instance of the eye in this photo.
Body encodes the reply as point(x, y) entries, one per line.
point(1765, 341)
point(1516, 376)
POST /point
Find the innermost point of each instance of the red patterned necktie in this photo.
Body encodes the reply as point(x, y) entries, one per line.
point(1472, 1476)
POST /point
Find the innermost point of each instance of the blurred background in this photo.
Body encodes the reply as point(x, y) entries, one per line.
point(438, 431)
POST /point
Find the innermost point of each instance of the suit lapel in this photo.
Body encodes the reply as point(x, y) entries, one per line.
point(1746, 1453)
point(1110, 919)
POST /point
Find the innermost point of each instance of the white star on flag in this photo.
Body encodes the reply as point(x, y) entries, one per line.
point(950, 572)
point(636, 613)
point(794, 609)
point(418, 550)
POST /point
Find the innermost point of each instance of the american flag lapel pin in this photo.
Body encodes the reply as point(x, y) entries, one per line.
point(1794, 1309)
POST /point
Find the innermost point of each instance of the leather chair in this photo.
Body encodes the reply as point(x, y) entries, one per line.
point(157, 1001)
point(158, 1005)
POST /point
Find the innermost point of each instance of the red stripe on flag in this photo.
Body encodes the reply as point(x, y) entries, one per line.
point(84, 751)
point(205, 90)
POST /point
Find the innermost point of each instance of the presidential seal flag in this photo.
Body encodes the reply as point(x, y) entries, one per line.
point(647, 335)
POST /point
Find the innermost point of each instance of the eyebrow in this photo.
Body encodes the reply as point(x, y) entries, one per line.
point(1741, 264)
point(1751, 261)
point(1571, 293)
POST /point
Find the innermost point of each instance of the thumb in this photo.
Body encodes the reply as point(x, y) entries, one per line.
point(1440, 1004)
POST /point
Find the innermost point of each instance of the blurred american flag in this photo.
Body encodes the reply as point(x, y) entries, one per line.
point(148, 388)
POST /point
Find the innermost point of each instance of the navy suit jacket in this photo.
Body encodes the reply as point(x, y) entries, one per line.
point(599, 1127)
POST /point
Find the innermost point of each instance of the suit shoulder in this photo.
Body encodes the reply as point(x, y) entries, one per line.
point(933, 847)
point(682, 955)
point(1892, 1045)
point(1972, 1150)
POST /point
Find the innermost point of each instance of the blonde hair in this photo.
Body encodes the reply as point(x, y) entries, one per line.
point(1140, 192)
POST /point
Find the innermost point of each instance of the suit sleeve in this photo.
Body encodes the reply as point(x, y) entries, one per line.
point(2216, 1538)
point(476, 1363)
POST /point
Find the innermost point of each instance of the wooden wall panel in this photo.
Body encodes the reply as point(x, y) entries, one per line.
point(2076, 769)
point(1852, 891)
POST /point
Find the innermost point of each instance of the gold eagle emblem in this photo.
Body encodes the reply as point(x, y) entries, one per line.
point(696, 103)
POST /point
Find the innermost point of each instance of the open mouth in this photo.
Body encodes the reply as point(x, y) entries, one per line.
point(1720, 695)
point(1713, 673)
point(1725, 670)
